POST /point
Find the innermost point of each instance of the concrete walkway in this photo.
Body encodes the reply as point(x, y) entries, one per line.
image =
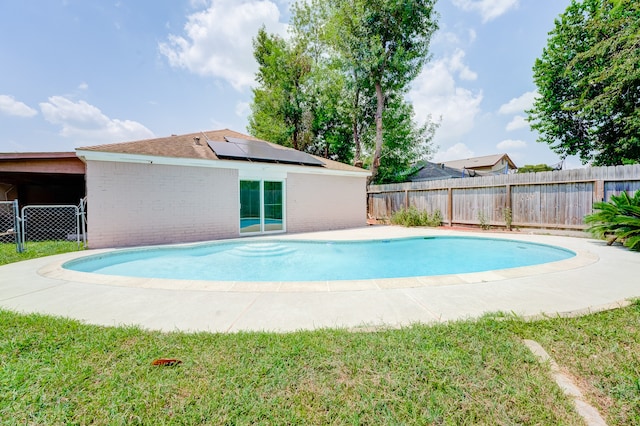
point(599, 277)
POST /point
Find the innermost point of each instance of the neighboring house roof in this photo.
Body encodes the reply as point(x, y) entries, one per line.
point(35, 155)
point(433, 171)
point(42, 177)
point(480, 162)
point(193, 146)
point(41, 162)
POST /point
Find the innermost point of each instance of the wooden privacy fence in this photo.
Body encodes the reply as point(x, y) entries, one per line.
point(552, 200)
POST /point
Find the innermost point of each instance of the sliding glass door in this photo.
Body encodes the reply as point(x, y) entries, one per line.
point(261, 206)
point(272, 204)
point(250, 206)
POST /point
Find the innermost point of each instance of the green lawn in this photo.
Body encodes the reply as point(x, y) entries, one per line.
point(58, 371)
point(8, 252)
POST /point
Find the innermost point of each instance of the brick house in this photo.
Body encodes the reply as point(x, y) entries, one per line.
point(212, 185)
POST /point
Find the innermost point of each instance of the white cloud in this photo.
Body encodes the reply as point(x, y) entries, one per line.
point(456, 64)
point(447, 38)
point(488, 9)
point(510, 144)
point(472, 35)
point(88, 125)
point(10, 106)
point(83, 86)
point(518, 122)
point(243, 109)
point(458, 151)
point(217, 41)
point(435, 93)
point(519, 104)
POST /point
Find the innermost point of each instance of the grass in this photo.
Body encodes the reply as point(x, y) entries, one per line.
point(56, 371)
point(59, 371)
point(35, 249)
point(602, 351)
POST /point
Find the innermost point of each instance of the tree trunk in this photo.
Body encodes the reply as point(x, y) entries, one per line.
point(357, 161)
point(295, 137)
point(378, 152)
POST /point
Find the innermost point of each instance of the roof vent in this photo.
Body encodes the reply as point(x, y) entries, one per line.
point(197, 140)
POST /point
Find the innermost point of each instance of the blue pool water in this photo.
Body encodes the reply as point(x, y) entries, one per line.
point(256, 221)
point(277, 260)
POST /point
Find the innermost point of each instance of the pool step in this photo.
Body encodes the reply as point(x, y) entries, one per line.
point(262, 250)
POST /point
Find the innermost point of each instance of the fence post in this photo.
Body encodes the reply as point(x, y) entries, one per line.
point(450, 206)
point(17, 226)
point(83, 221)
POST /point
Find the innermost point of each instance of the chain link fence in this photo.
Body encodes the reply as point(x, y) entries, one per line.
point(55, 224)
point(9, 222)
point(51, 223)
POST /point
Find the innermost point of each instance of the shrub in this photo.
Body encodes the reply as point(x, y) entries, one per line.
point(414, 217)
point(484, 221)
point(617, 220)
point(508, 218)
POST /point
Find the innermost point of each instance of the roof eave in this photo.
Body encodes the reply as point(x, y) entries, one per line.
point(91, 155)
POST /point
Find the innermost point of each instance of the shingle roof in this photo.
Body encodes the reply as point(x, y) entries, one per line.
point(433, 171)
point(180, 146)
point(476, 162)
point(186, 146)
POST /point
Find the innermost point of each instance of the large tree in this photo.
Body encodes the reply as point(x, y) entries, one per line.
point(385, 43)
point(343, 71)
point(342, 95)
point(404, 141)
point(280, 108)
point(588, 78)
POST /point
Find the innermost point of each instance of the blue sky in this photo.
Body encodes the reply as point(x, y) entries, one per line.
point(86, 72)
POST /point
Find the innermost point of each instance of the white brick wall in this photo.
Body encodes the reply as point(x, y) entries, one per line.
point(139, 204)
point(318, 203)
point(131, 204)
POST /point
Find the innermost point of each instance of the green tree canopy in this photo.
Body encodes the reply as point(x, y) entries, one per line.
point(533, 168)
point(279, 102)
point(343, 72)
point(588, 78)
point(404, 142)
point(385, 44)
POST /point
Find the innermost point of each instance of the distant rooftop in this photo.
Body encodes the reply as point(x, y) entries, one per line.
point(433, 171)
point(480, 162)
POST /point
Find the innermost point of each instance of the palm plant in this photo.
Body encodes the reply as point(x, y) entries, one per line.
point(617, 220)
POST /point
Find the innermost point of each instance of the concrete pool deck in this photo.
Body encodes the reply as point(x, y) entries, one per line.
point(599, 277)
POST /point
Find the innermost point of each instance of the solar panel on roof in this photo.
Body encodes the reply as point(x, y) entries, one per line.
point(243, 149)
point(239, 141)
point(225, 149)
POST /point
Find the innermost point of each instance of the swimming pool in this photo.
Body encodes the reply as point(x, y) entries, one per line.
point(280, 260)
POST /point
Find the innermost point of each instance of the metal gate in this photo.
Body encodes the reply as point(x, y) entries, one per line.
point(52, 223)
point(10, 223)
point(42, 223)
